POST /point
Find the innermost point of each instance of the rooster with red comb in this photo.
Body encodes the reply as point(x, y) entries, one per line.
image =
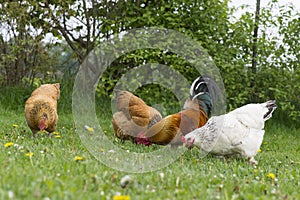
point(195, 113)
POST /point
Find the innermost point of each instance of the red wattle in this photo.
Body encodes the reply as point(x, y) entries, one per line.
point(42, 125)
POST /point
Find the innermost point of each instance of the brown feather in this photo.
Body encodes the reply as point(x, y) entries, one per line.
point(171, 128)
point(164, 131)
point(133, 116)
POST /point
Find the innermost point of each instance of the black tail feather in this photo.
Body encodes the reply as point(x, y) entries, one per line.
point(205, 90)
point(198, 86)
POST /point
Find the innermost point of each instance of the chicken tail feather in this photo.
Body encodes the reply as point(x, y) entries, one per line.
point(205, 90)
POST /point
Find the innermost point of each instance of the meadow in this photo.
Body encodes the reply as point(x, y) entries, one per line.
point(60, 166)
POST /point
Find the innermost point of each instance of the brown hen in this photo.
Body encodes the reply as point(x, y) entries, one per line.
point(41, 108)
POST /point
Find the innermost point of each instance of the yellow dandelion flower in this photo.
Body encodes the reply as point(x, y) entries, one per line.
point(55, 133)
point(15, 125)
point(30, 154)
point(121, 197)
point(57, 136)
point(259, 150)
point(78, 158)
point(271, 176)
point(89, 129)
point(8, 144)
point(102, 150)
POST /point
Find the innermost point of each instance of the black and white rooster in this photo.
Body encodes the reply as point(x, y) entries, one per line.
point(239, 132)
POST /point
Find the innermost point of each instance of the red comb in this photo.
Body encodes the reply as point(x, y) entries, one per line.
point(183, 139)
point(42, 125)
point(141, 139)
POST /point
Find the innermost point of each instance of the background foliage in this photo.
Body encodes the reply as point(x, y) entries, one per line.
point(29, 57)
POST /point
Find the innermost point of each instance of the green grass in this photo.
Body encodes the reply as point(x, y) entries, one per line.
point(52, 171)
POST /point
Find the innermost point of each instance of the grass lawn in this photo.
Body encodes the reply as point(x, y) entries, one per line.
point(45, 168)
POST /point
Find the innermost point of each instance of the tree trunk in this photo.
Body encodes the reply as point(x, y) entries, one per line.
point(254, 47)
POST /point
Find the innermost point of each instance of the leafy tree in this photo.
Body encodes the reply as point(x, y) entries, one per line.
point(23, 55)
point(255, 65)
point(279, 72)
point(277, 67)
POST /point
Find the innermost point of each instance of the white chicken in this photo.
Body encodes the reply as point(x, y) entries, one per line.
point(239, 132)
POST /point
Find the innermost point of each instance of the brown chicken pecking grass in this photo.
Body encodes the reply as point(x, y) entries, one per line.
point(41, 108)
